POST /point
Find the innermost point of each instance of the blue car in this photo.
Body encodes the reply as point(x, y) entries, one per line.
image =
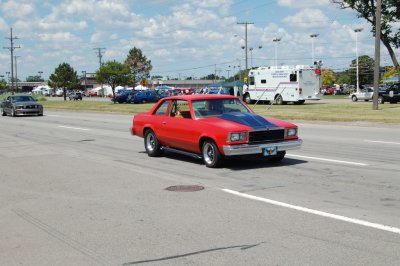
point(144, 97)
point(124, 96)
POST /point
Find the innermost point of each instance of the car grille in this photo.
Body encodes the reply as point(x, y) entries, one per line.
point(266, 135)
point(30, 106)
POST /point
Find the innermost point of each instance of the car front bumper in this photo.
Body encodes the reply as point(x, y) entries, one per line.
point(243, 149)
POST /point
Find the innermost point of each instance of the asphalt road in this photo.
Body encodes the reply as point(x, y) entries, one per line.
point(77, 189)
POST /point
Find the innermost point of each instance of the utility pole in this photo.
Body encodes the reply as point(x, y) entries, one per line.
point(100, 55)
point(377, 54)
point(12, 48)
point(99, 52)
point(16, 72)
point(245, 38)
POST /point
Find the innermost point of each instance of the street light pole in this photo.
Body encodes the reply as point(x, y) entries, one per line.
point(84, 73)
point(357, 74)
point(314, 35)
point(276, 40)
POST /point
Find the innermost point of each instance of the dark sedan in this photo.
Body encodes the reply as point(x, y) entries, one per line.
point(21, 105)
point(391, 94)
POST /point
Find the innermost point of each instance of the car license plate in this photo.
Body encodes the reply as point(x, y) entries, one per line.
point(270, 151)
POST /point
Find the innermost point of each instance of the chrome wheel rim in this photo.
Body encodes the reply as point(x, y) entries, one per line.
point(208, 153)
point(150, 142)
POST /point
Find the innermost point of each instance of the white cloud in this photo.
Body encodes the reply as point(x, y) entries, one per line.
point(3, 25)
point(59, 37)
point(59, 24)
point(303, 3)
point(307, 18)
point(13, 9)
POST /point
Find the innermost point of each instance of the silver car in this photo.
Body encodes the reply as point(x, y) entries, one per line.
point(364, 94)
point(21, 105)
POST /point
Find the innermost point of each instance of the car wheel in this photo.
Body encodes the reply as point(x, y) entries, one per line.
point(354, 98)
point(143, 101)
point(151, 144)
point(211, 155)
point(380, 100)
point(13, 112)
point(247, 98)
point(2, 112)
point(277, 158)
point(279, 100)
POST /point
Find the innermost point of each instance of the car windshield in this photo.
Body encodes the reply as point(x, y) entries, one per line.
point(22, 98)
point(216, 107)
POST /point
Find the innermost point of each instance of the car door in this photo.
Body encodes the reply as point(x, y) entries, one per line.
point(180, 131)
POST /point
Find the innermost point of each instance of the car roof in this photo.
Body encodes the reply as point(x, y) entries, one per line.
point(194, 97)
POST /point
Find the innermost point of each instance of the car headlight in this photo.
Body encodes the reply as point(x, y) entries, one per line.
point(19, 107)
point(291, 132)
point(236, 136)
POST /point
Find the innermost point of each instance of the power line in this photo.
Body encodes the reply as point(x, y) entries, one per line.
point(12, 48)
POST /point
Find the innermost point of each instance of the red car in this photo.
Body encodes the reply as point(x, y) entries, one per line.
point(211, 127)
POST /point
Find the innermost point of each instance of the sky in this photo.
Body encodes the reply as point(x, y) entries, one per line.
point(182, 38)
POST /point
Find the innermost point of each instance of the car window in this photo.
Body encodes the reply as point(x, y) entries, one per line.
point(180, 109)
point(162, 109)
point(216, 107)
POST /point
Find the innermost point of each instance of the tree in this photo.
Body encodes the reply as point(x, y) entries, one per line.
point(64, 77)
point(3, 85)
point(390, 14)
point(328, 76)
point(114, 74)
point(36, 78)
point(345, 77)
point(365, 69)
point(139, 65)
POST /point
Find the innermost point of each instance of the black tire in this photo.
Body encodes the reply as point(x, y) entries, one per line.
point(151, 144)
point(381, 100)
point(279, 99)
point(211, 156)
point(277, 158)
point(13, 112)
point(3, 113)
point(354, 98)
point(299, 102)
point(143, 101)
point(247, 98)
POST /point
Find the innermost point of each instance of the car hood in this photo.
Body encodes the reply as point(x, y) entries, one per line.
point(244, 121)
point(27, 103)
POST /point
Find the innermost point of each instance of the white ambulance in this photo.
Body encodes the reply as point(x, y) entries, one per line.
point(283, 84)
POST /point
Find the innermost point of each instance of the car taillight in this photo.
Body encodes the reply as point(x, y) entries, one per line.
point(318, 71)
point(300, 90)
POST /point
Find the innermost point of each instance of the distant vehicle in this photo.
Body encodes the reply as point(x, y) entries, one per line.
point(283, 84)
point(147, 96)
point(212, 127)
point(391, 94)
point(363, 94)
point(16, 105)
point(123, 96)
point(75, 95)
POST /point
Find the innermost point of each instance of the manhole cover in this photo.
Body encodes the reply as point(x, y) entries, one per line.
point(183, 188)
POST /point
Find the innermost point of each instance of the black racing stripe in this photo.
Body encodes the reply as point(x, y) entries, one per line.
point(249, 119)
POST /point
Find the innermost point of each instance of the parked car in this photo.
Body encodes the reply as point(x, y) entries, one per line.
point(16, 105)
point(144, 97)
point(363, 94)
point(213, 127)
point(391, 94)
point(75, 95)
point(124, 96)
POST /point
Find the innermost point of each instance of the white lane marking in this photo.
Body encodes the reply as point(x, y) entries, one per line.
point(316, 212)
point(383, 142)
point(77, 128)
point(327, 160)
